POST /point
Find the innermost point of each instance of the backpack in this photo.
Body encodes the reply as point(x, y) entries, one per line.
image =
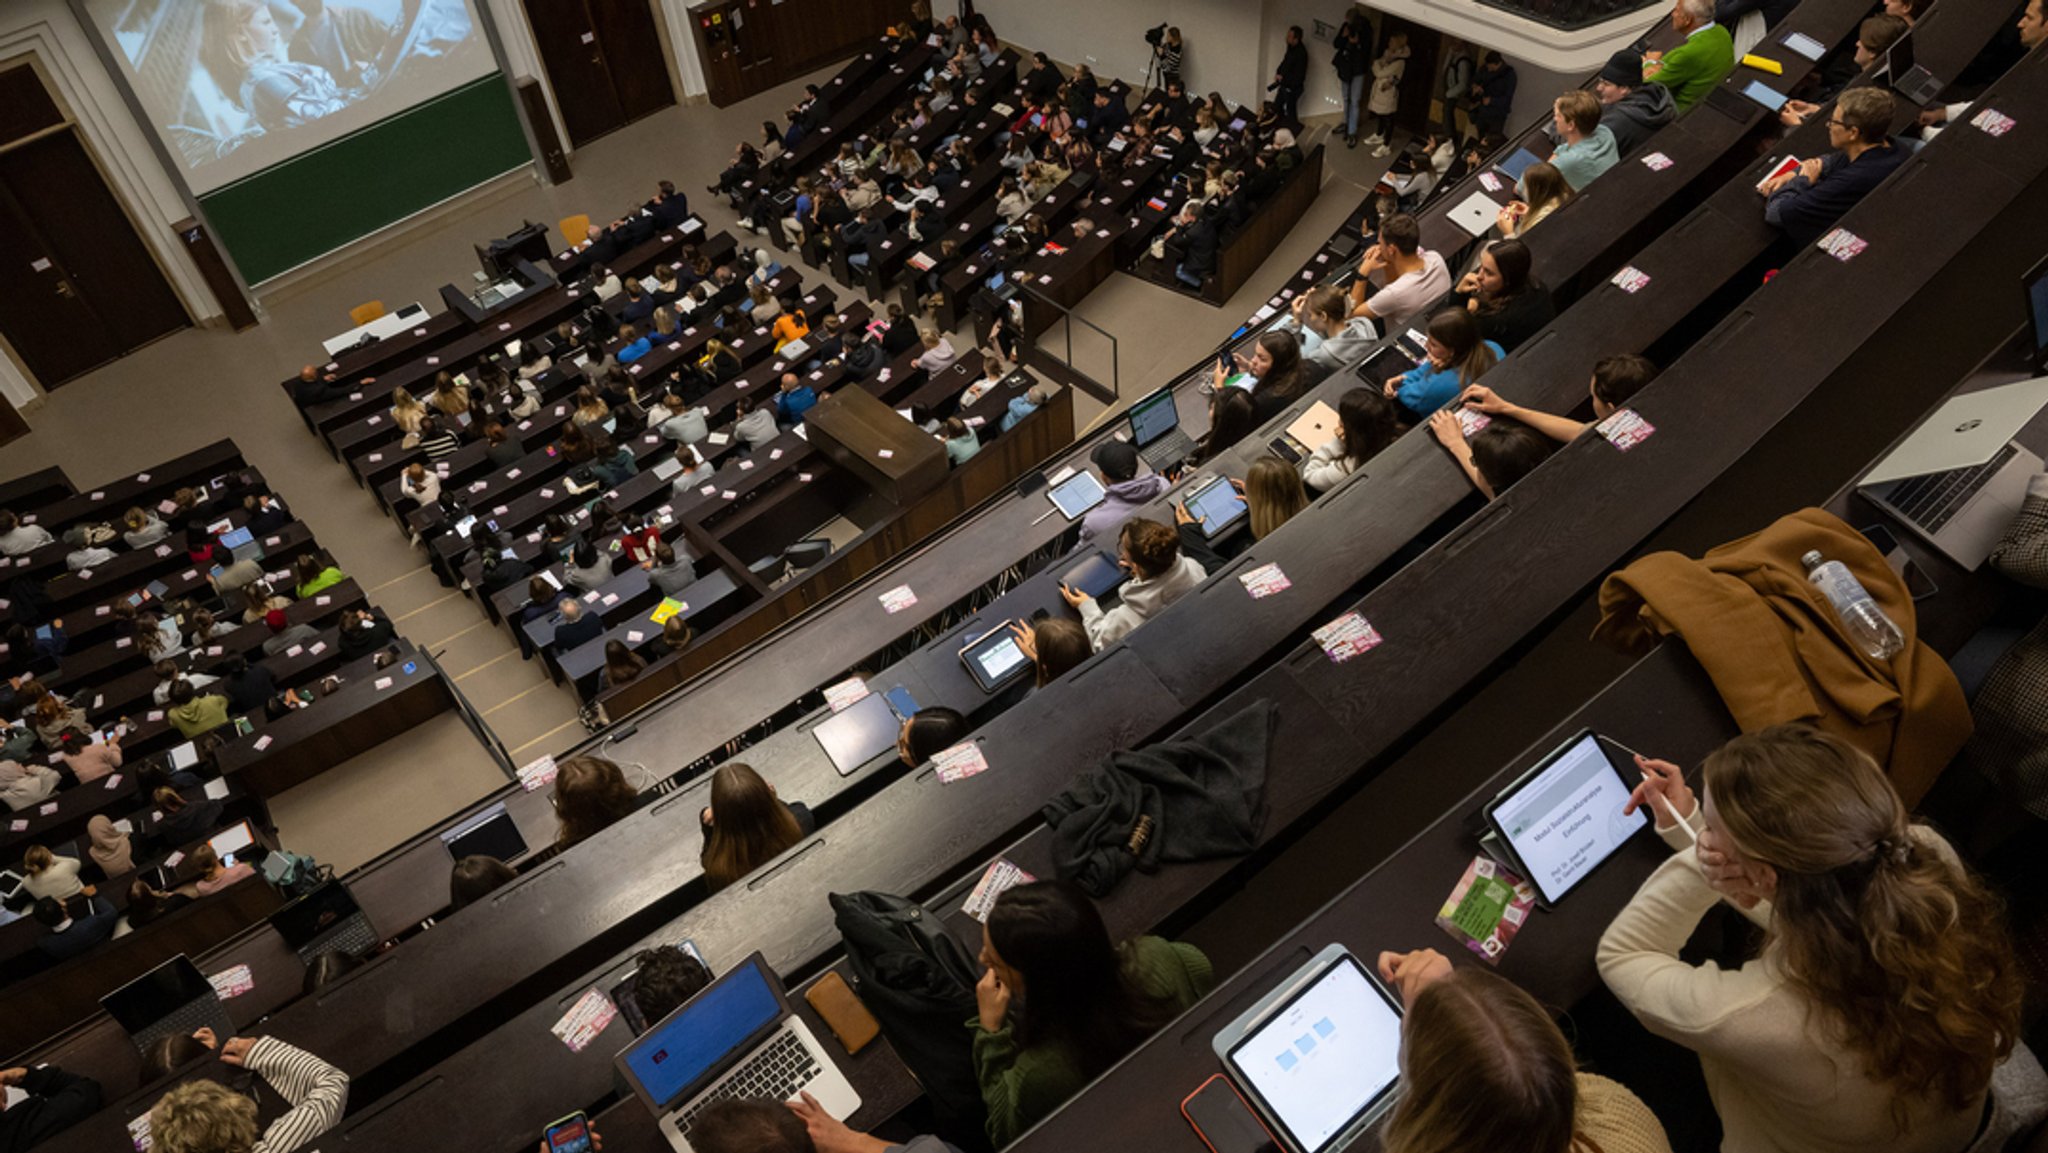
point(919, 982)
point(294, 874)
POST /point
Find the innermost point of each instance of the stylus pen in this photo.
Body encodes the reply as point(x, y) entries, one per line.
point(1046, 514)
point(1659, 798)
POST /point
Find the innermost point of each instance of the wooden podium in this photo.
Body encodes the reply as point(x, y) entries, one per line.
point(860, 433)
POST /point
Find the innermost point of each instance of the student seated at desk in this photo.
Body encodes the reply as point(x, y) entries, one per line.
point(1160, 575)
point(1456, 358)
point(499, 572)
point(928, 732)
point(207, 1117)
point(1500, 454)
point(1367, 422)
point(168, 675)
point(146, 904)
point(192, 714)
point(184, 820)
point(451, 397)
point(363, 631)
point(1874, 38)
point(419, 485)
point(1616, 379)
point(48, 875)
point(476, 877)
point(746, 825)
point(1059, 1003)
point(52, 1102)
point(1054, 645)
point(1504, 294)
point(676, 634)
point(591, 793)
point(1332, 340)
point(960, 441)
point(72, 926)
point(1485, 1067)
point(17, 538)
point(213, 876)
point(316, 574)
point(664, 977)
point(588, 568)
point(51, 714)
point(109, 851)
point(1887, 992)
point(202, 628)
point(676, 420)
point(88, 760)
point(938, 355)
point(285, 635)
point(1274, 367)
point(1409, 277)
point(669, 573)
point(38, 655)
point(142, 529)
point(756, 426)
point(1542, 191)
point(501, 447)
point(1585, 146)
point(1805, 204)
point(1127, 491)
point(575, 626)
point(247, 685)
point(621, 665)
point(793, 398)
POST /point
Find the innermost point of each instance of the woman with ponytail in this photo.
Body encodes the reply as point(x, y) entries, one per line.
point(1887, 989)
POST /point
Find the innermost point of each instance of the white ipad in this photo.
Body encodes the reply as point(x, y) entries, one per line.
point(1805, 45)
point(1319, 1057)
point(1563, 817)
point(1077, 494)
point(1476, 213)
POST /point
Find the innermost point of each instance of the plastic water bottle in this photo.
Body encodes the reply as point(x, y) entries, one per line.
point(1868, 627)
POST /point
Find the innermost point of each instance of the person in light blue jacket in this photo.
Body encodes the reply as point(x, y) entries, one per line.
point(1023, 406)
point(1456, 359)
point(1585, 147)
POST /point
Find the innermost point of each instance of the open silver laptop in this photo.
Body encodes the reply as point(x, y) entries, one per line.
point(735, 1040)
point(1958, 480)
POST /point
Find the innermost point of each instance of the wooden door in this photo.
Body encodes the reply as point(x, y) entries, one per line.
point(631, 41)
point(721, 62)
point(753, 44)
point(77, 286)
point(577, 70)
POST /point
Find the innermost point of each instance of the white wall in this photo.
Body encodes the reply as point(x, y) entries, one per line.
point(47, 31)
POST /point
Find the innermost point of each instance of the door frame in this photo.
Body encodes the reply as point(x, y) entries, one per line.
point(37, 48)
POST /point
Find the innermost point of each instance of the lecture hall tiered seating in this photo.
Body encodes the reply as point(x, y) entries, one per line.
point(453, 1033)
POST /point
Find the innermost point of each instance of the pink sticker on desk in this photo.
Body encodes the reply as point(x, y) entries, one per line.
point(295, 650)
point(214, 650)
point(959, 762)
point(170, 862)
point(163, 550)
point(897, 599)
point(730, 495)
point(85, 574)
point(433, 360)
point(98, 496)
point(1625, 429)
point(419, 332)
point(382, 683)
point(102, 610)
point(323, 599)
point(46, 810)
point(634, 636)
point(585, 1020)
point(1631, 279)
point(505, 326)
point(232, 983)
point(1843, 245)
point(17, 826)
point(1493, 183)
point(1264, 581)
point(191, 574)
point(374, 421)
point(124, 642)
point(263, 742)
point(144, 477)
point(376, 458)
point(745, 465)
point(1347, 637)
point(1657, 162)
point(154, 715)
point(355, 396)
point(113, 782)
point(1993, 122)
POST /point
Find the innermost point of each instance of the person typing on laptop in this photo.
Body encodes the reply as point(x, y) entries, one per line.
point(1150, 551)
point(207, 1117)
point(1487, 1068)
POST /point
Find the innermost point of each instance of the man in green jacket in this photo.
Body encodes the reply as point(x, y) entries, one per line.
point(1692, 69)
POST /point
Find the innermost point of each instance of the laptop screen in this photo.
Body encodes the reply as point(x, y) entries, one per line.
point(1519, 163)
point(491, 833)
point(231, 845)
point(1325, 1057)
point(156, 994)
point(694, 1040)
point(1217, 506)
point(1566, 817)
point(864, 731)
point(2037, 310)
point(236, 539)
point(301, 922)
point(1154, 417)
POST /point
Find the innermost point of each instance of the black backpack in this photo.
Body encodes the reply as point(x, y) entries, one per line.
point(919, 983)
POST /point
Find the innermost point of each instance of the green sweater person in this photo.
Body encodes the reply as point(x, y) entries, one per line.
point(1060, 1004)
point(1692, 69)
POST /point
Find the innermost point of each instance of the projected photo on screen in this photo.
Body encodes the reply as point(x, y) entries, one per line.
point(236, 86)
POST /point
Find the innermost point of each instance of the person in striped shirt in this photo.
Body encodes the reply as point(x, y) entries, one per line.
point(207, 1117)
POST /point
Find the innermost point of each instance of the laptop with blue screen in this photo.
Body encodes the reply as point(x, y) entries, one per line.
point(735, 1040)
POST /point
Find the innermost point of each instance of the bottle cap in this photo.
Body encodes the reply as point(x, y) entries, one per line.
point(1811, 560)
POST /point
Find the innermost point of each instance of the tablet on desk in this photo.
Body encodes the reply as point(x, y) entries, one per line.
point(1764, 94)
point(1519, 163)
point(1564, 816)
point(858, 734)
point(995, 660)
point(234, 844)
point(1095, 575)
point(1077, 494)
point(1217, 506)
point(1320, 1056)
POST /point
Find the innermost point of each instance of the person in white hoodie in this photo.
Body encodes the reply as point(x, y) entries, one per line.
point(1160, 575)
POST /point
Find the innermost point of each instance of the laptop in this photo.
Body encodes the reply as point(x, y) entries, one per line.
point(238, 844)
point(326, 920)
point(859, 733)
point(1319, 1057)
point(1077, 494)
point(173, 998)
point(1096, 574)
point(1908, 79)
point(1156, 431)
point(1519, 163)
point(242, 544)
point(491, 833)
point(1310, 431)
point(1476, 213)
point(1564, 816)
point(2036, 288)
point(1958, 479)
point(1217, 507)
point(735, 1040)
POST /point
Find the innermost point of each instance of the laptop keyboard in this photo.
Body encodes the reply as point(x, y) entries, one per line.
point(203, 1013)
point(1930, 501)
point(776, 1073)
point(1168, 450)
point(354, 937)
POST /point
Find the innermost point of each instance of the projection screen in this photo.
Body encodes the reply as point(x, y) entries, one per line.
point(235, 86)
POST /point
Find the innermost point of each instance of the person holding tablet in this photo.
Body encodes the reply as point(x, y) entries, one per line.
point(1483, 1066)
point(1161, 575)
point(1059, 1003)
point(1887, 991)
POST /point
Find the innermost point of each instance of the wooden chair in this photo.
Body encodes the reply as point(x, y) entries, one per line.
point(363, 314)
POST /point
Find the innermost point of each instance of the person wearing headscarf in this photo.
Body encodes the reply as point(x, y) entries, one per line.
point(110, 848)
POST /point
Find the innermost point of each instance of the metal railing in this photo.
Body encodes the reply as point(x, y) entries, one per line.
point(1088, 382)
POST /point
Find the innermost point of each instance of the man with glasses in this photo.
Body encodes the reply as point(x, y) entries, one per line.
point(1807, 203)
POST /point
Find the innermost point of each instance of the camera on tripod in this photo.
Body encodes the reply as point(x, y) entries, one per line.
point(1156, 34)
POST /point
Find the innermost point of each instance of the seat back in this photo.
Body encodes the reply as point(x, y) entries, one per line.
point(574, 229)
point(366, 312)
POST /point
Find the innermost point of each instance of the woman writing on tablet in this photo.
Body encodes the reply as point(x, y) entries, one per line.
point(1484, 1067)
point(1887, 990)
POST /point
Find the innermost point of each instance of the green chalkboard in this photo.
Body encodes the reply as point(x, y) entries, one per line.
point(318, 201)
